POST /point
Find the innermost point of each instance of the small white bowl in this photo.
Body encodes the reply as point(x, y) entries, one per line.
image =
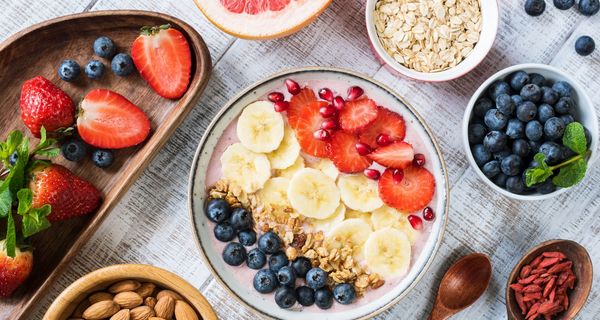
point(585, 114)
point(489, 28)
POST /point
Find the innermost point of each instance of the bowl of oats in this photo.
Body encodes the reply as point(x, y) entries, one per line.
point(431, 40)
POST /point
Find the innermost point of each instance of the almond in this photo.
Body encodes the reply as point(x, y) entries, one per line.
point(173, 295)
point(121, 315)
point(101, 310)
point(141, 313)
point(184, 311)
point(128, 299)
point(156, 318)
point(150, 302)
point(100, 296)
point(165, 307)
point(146, 289)
point(125, 285)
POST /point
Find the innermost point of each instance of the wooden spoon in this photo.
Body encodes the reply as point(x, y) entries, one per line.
point(465, 281)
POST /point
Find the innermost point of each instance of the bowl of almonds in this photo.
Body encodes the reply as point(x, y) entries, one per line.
point(432, 40)
point(130, 292)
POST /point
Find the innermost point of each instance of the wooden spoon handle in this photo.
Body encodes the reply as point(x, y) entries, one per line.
point(440, 312)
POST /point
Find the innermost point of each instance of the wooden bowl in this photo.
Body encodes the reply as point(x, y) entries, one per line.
point(582, 267)
point(64, 305)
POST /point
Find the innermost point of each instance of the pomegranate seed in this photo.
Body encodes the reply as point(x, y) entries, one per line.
point(329, 124)
point(415, 222)
point(419, 160)
point(398, 175)
point(354, 93)
point(428, 214)
point(326, 94)
point(362, 148)
point(275, 96)
point(327, 111)
point(384, 139)
point(372, 174)
point(281, 106)
point(292, 86)
point(322, 135)
point(339, 103)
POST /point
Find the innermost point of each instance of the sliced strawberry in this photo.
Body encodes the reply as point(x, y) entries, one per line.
point(413, 193)
point(108, 120)
point(306, 122)
point(298, 103)
point(358, 114)
point(163, 58)
point(343, 153)
point(397, 155)
point(388, 123)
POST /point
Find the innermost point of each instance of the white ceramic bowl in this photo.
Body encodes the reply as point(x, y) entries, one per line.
point(585, 114)
point(489, 11)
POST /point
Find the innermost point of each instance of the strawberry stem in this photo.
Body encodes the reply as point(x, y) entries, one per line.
point(150, 31)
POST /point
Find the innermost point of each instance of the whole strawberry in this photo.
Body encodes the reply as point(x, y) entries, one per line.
point(67, 194)
point(44, 104)
point(13, 271)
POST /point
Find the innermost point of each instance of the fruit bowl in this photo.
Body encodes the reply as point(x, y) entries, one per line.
point(206, 171)
point(583, 113)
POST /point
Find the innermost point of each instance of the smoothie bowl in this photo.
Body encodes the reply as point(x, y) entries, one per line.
point(318, 192)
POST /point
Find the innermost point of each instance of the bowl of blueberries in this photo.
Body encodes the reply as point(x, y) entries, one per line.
point(530, 132)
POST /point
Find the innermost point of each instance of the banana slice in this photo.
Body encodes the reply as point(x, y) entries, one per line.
point(390, 217)
point(288, 151)
point(245, 168)
point(387, 252)
point(350, 232)
point(313, 194)
point(365, 216)
point(274, 192)
point(290, 171)
point(260, 127)
point(359, 192)
point(326, 225)
point(327, 167)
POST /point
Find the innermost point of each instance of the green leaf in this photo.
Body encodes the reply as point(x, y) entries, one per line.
point(25, 197)
point(11, 236)
point(13, 140)
point(571, 174)
point(50, 152)
point(5, 202)
point(35, 220)
point(538, 174)
point(574, 138)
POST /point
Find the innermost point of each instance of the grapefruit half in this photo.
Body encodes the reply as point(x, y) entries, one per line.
point(261, 19)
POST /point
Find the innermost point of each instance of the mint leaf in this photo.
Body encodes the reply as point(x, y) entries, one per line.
point(11, 236)
point(5, 201)
point(25, 197)
point(35, 220)
point(538, 174)
point(571, 174)
point(574, 138)
point(50, 152)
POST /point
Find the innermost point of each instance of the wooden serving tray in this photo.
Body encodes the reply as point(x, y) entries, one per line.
point(39, 50)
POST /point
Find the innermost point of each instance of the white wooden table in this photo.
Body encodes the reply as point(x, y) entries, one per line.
point(151, 224)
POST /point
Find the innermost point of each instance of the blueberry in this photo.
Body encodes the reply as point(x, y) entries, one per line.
point(589, 7)
point(278, 260)
point(247, 237)
point(74, 150)
point(531, 92)
point(69, 70)
point(515, 185)
point(546, 187)
point(344, 293)
point(234, 254)
point(537, 79)
point(516, 99)
point(549, 96)
point(13, 158)
point(241, 219)
point(102, 158)
point(495, 120)
point(285, 297)
point(563, 88)
point(495, 141)
point(301, 266)
point(534, 146)
point(316, 278)
point(94, 69)
point(286, 276)
point(265, 281)
point(482, 106)
point(256, 259)
point(306, 296)
point(518, 80)
point(224, 232)
point(476, 133)
point(323, 298)
point(511, 165)
point(104, 47)
point(588, 136)
point(554, 128)
point(481, 154)
point(545, 112)
point(497, 88)
point(566, 153)
point(122, 65)
point(535, 8)
point(500, 180)
point(534, 130)
point(218, 210)
point(499, 155)
point(269, 243)
point(526, 111)
point(567, 118)
point(552, 151)
point(521, 148)
point(505, 104)
point(491, 169)
point(564, 4)
point(585, 45)
point(515, 129)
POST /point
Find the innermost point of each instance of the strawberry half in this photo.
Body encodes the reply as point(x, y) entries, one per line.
point(388, 123)
point(44, 104)
point(397, 155)
point(162, 56)
point(413, 193)
point(299, 102)
point(13, 271)
point(107, 120)
point(342, 151)
point(358, 114)
point(306, 122)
